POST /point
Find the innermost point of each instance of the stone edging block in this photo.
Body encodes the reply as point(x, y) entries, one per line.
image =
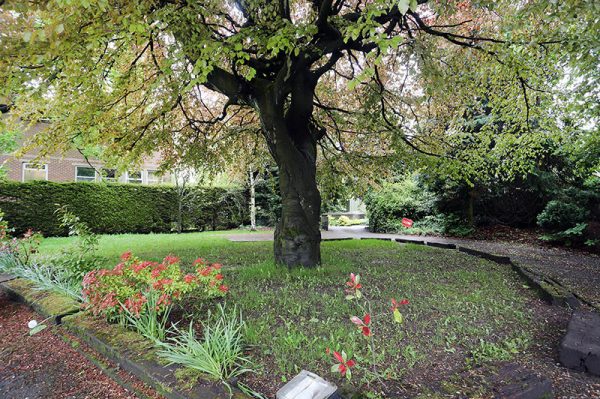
point(409, 241)
point(135, 354)
point(443, 245)
point(50, 305)
point(580, 347)
point(551, 291)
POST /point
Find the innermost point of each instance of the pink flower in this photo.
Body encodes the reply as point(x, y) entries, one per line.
point(219, 276)
point(217, 266)
point(224, 288)
point(407, 223)
point(158, 270)
point(126, 256)
point(354, 282)
point(138, 267)
point(158, 285)
point(395, 304)
point(344, 365)
point(118, 270)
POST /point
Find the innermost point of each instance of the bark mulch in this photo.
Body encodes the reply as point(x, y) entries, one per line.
point(51, 364)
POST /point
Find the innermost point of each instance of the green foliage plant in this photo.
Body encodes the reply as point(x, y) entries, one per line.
point(81, 256)
point(220, 352)
point(148, 316)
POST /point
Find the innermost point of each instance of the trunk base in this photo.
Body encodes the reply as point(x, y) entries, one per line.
point(299, 250)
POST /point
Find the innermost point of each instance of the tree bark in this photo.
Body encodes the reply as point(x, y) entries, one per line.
point(293, 145)
point(297, 235)
point(252, 200)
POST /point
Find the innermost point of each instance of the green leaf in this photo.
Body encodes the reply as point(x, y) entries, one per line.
point(60, 28)
point(349, 297)
point(27, 36)
point(335, 368)
point(397, 316)
point(37, 329)
point(413, 5)
point(403, 6)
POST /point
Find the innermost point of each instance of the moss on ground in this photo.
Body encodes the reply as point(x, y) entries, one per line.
point(49, 304)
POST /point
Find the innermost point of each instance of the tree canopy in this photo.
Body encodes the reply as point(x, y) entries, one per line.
point(352, 86)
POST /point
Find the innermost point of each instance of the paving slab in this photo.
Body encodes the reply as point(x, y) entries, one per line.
point(580, 348)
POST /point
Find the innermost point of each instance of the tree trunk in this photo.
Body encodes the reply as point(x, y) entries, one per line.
point(252, 200)
point(297, 234)
point(471, 207)
point(293, 145)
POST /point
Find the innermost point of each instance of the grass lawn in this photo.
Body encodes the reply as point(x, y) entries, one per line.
point(463, 311)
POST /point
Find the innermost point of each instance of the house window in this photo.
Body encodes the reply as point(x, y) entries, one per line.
point(134, 177)
point(109, 175)
point(155, 177)
point(32, 171)
point(85, 173)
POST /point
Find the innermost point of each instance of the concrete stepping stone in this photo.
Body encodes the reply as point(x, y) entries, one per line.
point(580, 347)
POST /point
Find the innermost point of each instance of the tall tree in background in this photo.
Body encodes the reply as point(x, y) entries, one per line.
point(347, 77)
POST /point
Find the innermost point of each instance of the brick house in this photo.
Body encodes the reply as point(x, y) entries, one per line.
point(72, 166)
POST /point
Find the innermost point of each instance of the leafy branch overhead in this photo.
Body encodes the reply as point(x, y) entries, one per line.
point(331, 89)
point(144, 66)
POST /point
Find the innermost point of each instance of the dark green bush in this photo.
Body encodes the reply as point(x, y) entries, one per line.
point(114, 208)
point(560, 215)
point(406, 198)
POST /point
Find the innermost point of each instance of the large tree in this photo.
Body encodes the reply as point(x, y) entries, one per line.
point(369, 79)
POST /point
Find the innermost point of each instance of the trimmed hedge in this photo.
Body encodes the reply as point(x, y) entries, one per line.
point(115, 208)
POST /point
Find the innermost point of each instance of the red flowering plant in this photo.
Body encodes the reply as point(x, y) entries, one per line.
point(124, 289)
point(364, 325)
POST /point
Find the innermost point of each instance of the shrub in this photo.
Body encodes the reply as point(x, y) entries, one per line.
point(117, 208)
point(397, 200)
point(560, 215)
point(17, 259)
point(126, 286)
point(345, 221)
point(81, 256)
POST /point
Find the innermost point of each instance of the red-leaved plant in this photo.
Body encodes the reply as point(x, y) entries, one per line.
point(364, 325)
point(110, 292)
point(343, 364)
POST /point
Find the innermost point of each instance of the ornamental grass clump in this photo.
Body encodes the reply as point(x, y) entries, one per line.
point(219, 353)
point(123, 291)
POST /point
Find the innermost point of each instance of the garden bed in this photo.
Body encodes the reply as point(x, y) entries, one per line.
point(467, 316)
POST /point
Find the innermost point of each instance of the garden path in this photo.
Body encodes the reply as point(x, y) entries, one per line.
point(577, 271)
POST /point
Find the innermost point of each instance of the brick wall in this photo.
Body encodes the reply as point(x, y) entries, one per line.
point(63, 168)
